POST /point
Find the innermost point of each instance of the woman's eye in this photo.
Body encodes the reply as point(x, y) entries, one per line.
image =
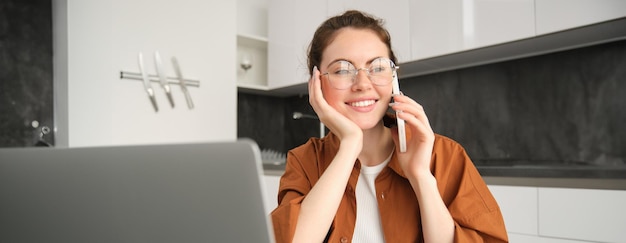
point(378, 69)
point(342, 72)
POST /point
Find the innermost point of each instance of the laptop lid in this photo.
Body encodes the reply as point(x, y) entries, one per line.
point(207, 192)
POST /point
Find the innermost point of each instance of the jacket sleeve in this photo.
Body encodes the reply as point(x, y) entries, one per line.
point(475, 211)
point(294, 185)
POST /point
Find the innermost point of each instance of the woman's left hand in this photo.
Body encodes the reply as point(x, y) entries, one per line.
point(419, 139)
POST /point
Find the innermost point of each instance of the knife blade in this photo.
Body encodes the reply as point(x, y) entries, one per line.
point(183, 84)
point(146, 82)
point(162, 79)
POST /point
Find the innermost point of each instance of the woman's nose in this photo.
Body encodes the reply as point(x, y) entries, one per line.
point(361, 79)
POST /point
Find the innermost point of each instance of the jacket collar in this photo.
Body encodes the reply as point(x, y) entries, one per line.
point(393, 164)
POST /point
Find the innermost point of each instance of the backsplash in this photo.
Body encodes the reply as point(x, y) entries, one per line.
point(561, 108)
point(269, 121)
point(564, 108)
point(26, 90)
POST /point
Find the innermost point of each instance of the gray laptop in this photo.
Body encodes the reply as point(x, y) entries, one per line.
point(210, 192)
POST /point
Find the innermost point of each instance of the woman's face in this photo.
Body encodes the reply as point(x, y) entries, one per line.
point(364, 102)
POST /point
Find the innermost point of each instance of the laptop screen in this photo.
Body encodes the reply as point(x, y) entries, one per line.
point(206, 192)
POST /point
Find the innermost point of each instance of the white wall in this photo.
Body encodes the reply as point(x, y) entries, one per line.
point(95, 40)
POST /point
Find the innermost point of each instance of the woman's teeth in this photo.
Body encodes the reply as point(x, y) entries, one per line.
point(362, 103)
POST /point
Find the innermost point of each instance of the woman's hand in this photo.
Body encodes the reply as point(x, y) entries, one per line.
point(420, 136)
point(340, 125)
point(437, 223)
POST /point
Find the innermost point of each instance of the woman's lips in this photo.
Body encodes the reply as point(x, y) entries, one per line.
point(362, 103)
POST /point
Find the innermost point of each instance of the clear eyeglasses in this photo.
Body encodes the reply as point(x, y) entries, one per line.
point(342, 74)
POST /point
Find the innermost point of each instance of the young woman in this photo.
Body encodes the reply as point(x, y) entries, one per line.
point(354, 185)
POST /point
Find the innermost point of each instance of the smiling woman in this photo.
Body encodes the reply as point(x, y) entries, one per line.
point(26, 92)
point(355, 184)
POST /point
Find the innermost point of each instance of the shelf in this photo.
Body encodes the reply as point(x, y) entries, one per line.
point(252, 87)
point(254, 79)
point(252, 41)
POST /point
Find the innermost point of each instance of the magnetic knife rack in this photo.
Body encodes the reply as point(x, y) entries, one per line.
point(170, 80)
point(161, 78)
point(155, 79)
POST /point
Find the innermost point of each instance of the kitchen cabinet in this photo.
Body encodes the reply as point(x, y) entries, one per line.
point(449, 26)
point(95, 40)
point(442, 35)
point(291, 28)
point(518, 206)
point(291, 25)
point(558, 15)
point(419, 29)
point(271, 191)
point(549, 214)
point(583, 214)
point(394, 13)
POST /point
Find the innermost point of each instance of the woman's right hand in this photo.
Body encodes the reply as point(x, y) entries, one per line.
point(339, 124)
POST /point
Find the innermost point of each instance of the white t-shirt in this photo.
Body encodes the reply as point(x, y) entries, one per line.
point(368, 227)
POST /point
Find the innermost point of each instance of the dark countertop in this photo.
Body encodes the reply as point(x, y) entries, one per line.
point(555, 171)
point(563, 176)
point(273, 170)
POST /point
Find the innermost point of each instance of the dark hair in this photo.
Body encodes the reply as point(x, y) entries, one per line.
point(351, 18)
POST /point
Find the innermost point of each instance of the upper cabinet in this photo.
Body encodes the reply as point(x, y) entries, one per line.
point(291, 28)
point(558, 15)
point(448, 26)
point(396, 19)
point(436, 35)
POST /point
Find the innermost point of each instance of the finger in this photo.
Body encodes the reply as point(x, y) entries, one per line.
point(315, 90)
point(316, 96)
point(412, 112)
point(407, 107)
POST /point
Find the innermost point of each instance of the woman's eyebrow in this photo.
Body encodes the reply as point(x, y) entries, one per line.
point(339, 60)
point(346, 60)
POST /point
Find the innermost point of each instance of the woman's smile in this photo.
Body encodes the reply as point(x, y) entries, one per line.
point(362, 103)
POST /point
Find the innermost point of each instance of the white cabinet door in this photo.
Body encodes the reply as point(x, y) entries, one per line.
point(557, 15)
point(493, 22)
point(291, 25)
point(436, 28)
point(271, 190)
point(522, 238)
point(519, 207)
point(582, 214)
point(448, 26)
point(394, 13)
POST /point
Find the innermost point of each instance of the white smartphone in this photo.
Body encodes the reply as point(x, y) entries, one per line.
point(401, 128)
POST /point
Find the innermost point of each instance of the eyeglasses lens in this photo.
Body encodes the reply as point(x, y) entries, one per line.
point(342, 74)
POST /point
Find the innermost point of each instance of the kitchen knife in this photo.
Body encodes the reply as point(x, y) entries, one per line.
point(146, 83)
point(162, 79)
point(183, 85)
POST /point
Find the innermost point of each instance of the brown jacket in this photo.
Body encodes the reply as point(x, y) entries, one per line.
point(475, 212)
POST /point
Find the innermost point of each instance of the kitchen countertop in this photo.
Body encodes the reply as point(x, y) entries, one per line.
point(583, 177)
